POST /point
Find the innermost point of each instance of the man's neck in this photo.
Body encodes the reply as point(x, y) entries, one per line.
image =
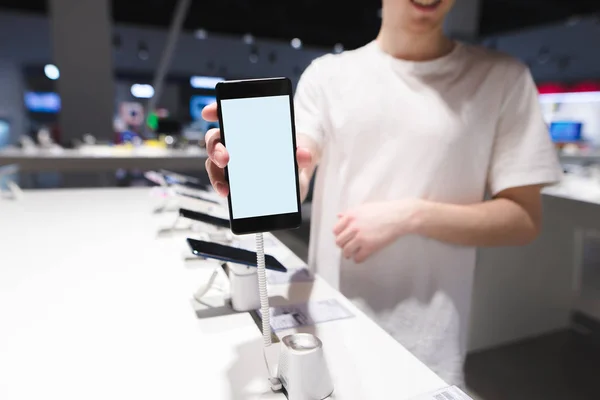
point(414, 47)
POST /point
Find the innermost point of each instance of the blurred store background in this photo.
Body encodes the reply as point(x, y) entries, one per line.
point(93, 94)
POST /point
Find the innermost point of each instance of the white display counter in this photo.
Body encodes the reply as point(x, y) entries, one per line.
point(523, 292)
point(95, 304)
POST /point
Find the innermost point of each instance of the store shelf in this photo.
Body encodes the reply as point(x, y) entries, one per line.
point(581, 158)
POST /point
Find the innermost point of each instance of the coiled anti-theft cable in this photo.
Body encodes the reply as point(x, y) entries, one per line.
point(264, 306)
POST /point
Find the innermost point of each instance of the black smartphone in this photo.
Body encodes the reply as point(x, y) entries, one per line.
point(183, 180)
point(202, 217)
point(257, 128)
point(179, 177)
point(192, 185)
point(232, 254)
point(198, 197)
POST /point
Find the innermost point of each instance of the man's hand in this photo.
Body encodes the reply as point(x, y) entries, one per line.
point(368, 228)
point(218, 157)
point(512, 218)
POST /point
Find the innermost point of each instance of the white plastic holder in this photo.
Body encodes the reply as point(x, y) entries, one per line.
point(243, 287)
point(303, 369)
point(12, 189)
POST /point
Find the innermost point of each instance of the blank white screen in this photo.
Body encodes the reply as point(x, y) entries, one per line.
point(258, 137)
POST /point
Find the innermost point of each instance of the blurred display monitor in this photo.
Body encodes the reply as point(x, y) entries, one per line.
point(42, 102)
point(197, 104)
point(572, 113)
point(4, 132)
point(566, 131)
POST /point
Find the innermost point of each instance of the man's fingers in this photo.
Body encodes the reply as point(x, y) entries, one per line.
point(212, 137)
point(351, 248)
point(344, 237)
point(341, 225)
point(209, 113)
point(217, 178)
point(304, 157)
point(215, 149)
point(361, 255)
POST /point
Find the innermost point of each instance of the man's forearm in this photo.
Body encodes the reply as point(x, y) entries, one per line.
point(498, 222)
point(305, 175)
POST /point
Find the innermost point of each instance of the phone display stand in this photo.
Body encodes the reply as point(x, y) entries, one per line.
point(162, 190)
point(169, 192)
point(243, 283)
point(297, 362)
point(301, 370)
point(211, 232)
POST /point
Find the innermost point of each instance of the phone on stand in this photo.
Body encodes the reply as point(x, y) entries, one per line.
point(257, 128)
point(232, 254)
point(201, 198)
point(183, 180)
point(202, 217)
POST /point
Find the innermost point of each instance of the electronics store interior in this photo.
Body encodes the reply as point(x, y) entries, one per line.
point(180, 217)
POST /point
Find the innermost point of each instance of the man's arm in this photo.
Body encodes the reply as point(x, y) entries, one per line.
point(513, 217)
point(305, 174)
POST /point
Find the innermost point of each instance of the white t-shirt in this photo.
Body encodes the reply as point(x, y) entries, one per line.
point(446, 130)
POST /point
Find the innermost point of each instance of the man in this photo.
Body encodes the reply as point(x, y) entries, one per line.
point(409, 133)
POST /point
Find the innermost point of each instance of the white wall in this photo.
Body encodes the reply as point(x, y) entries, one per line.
point(578, 42)
point(26, 41)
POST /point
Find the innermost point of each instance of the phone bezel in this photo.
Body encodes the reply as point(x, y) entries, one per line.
point(243, 89)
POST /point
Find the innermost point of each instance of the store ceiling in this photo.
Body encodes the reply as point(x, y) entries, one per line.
point(319, 22)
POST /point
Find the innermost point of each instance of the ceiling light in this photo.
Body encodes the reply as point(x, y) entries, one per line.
point(142, 91)
point(205, 82)
point(51, 72)
point(201, 34)
point(296, 43)
point(338, 48)
point(248, 38)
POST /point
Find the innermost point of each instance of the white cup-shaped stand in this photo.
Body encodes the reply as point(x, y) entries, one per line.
point(244, 288)
point(303, 368)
